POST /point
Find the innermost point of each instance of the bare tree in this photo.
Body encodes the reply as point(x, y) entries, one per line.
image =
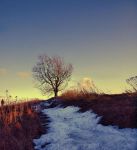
point(133, 82)
point(52, 74)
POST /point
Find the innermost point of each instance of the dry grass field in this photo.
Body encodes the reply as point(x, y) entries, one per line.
point(19, 124)
point(116, 109)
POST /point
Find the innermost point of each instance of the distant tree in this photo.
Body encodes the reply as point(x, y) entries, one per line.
point(52, 74)
point(133, 82)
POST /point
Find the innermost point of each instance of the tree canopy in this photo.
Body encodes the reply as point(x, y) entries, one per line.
point(52, 74)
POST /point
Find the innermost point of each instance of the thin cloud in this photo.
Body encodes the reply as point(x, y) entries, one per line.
point(23, 74)
point(3, 71)
point(86, 82)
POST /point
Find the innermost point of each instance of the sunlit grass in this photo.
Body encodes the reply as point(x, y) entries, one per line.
point(19, 124)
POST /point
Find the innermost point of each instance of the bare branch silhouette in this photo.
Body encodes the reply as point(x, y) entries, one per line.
point(133, 82)
point(52, 74)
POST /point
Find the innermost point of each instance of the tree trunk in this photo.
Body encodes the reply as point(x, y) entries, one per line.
point(56, 93)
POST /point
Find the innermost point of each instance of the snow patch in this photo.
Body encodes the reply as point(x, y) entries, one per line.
point(70, 129)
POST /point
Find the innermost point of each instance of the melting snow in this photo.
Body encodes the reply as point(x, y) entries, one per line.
point(72, 130)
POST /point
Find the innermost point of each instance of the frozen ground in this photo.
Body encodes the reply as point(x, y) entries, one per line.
point(71, 130)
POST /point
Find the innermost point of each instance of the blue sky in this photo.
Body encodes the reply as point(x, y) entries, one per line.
point(98, 37)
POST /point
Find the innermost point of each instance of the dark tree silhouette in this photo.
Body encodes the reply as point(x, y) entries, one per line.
point(133, 82)
point(52, 74)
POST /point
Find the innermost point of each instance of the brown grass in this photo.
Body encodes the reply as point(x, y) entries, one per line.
point(118, 109)
point(19, 124)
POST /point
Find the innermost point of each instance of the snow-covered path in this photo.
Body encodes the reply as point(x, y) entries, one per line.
point(72, 130)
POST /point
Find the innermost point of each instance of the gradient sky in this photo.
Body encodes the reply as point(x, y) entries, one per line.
point(99, 37)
